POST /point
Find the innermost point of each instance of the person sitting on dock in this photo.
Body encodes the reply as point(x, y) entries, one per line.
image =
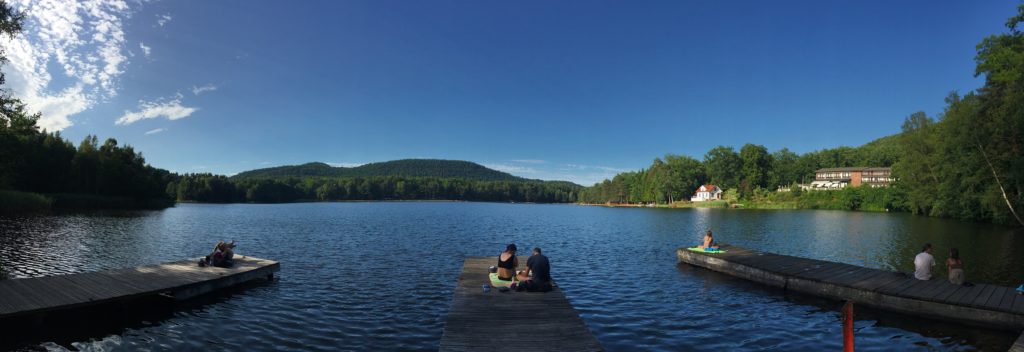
point(222, 256)
point(539, 265)
point(507, 263)
point(227, 255)
point(923, 263)
point(955, 267)
point(709, 242)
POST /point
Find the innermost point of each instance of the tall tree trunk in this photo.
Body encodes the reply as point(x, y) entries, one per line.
point(1000, 184)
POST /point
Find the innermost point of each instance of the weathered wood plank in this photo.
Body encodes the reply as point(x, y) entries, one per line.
point(1006, 302)
point(926, 290)
point(543, 321)
point(946, 291)
point(980, 299)
point(1018, 304)
point(873, 283)
point(32, 295)
point(986, 304)
point(1018, 346)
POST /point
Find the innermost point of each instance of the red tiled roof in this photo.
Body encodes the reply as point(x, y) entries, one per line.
point(707, 188)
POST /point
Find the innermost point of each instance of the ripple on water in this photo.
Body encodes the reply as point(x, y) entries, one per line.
point(379, 276)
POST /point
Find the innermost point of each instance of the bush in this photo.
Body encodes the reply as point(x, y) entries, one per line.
point(15, 201)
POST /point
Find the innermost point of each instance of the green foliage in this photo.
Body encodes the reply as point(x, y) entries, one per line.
point(757, 164)
point(968, 164)
point(723, 167)
point(214, 188)
point(14, 201)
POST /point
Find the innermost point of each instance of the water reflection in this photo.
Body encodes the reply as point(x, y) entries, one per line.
point(379, 276)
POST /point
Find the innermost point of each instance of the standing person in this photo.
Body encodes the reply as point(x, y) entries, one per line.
point(507, 263)
point(923, 263)
point(955, 267)
point(539, 265)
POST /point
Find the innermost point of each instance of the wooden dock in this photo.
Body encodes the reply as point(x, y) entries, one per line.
point(1019, 345)
point(511, 321)
point(983, 304)
point(175, 280)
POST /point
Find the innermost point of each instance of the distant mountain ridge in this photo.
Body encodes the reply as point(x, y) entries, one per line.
point(404, 167)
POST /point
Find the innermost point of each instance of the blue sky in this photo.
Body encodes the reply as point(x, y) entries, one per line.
point(573, 90)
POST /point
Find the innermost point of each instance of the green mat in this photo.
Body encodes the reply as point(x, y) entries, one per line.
point(701, 250)
point(499, 283)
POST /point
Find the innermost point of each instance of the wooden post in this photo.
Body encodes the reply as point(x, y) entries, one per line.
point(848, 326)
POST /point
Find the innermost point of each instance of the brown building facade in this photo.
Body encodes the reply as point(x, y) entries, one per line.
point(854, 176)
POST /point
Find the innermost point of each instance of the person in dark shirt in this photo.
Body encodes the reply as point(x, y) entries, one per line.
point(540, 267)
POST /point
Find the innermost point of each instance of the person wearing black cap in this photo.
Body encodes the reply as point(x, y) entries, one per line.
point(507, 263)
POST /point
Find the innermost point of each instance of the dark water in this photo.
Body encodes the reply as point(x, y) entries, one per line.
point(379, 276)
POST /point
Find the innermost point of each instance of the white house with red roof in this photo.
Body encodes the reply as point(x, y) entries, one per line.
point(707, 192)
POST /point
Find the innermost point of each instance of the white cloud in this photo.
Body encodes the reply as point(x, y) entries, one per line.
point(529, 161)
point(203, 89)
point(154, 131)
point(163, 19)
point(145, 49)
point(82, 40)
point(169, 109)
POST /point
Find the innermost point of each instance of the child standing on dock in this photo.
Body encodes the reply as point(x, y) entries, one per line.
point(923, 263)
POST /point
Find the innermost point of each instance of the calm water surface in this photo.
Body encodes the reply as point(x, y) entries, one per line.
point(379, 276)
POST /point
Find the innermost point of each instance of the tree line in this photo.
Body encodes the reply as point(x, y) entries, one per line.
point(221, 189)
point(751, 169)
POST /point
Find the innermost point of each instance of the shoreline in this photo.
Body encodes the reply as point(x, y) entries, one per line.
point(728, 205)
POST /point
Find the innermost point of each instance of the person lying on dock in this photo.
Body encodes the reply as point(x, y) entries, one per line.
point(923, 263)
point(507, 263)
point(540, 267)
point(709, 242)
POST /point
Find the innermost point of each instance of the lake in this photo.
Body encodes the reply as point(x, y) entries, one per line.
point(380, 275)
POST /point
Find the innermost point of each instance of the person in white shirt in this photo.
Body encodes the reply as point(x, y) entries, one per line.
point(923, 263)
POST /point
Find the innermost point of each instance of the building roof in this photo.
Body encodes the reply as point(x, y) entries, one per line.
point(707, 188)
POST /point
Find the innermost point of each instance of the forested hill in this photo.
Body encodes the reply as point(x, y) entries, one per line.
point(405, 167)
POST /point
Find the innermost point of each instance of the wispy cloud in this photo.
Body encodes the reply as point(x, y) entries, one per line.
point(512, 169)
point(145, 49)
point(593, 167)
point(529, 161)
point(170, 109)
point(154, 131)
point(346, 164)
point(161, 20)
point(82, 40)
point(203, 89)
